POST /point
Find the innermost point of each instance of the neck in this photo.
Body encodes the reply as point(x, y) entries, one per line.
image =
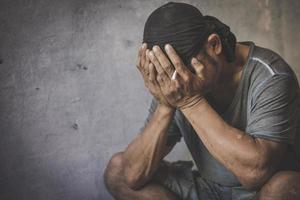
point(232, 71)
point(231, 75)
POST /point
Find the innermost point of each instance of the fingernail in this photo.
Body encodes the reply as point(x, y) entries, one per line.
point(155, 48)
point(151, 54)
point(167, 47)
point(194, 60)
point(144, 45)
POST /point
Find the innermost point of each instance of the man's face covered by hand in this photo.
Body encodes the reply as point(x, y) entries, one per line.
point(183, 27)
point(178, 24)
point(187, 30)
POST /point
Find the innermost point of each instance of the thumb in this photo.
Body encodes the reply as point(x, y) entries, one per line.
point(198, 67)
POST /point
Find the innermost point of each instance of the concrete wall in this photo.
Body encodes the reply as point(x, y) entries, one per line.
point(70, 95)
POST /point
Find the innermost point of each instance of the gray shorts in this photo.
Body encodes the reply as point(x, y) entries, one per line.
point(188, 184)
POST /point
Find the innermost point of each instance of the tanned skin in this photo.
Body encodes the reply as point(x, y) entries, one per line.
point(254, 161)
point(129, 174)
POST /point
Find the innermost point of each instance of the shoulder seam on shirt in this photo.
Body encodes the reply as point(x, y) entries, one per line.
point(265, 64)
point(263, 83)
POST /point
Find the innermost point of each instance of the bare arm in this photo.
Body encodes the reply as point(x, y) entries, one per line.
point(252, 160)
point(144, 154)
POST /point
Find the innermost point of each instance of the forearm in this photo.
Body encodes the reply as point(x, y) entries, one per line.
point(236, 150)
point(250, 159)
point(144, 153)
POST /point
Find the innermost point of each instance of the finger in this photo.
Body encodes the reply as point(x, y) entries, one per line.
point(158, 67)
point(175, 85)
point(144, 70)
point(138, 62)
point(152, 74)
point(198, 67)
point(177, 62)
point(143, 54)
point(160, 80)
point(163, 60)
point(147, 62)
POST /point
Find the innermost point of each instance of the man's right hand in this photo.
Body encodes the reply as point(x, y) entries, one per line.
point(149, 75)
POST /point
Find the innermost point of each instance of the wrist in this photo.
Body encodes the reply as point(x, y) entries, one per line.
point(191, 103)
point(165, 109)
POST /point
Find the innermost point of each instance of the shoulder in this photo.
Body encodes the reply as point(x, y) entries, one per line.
point(268, 68)
point(270, 61)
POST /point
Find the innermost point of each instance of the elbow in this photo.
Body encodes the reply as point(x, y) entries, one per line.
point(134, 179)
point(254, 179)
point(251, 183)
point(118, 173)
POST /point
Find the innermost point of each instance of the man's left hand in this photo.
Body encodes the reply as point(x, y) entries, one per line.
point(187, 88)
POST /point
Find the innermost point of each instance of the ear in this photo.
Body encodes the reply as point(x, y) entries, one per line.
point(214, 43)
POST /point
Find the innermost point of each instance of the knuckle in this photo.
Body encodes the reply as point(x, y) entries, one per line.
point(163, 76)
point(158, 78)
point(168, 67)
point(179, 70)
point(177, 63)
point(186, 79)
point(172, 86)
point(170, 71)
point(177, 86)
point(160, 73)
point(167, 93)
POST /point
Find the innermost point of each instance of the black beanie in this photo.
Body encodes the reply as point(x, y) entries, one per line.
point(186, 29)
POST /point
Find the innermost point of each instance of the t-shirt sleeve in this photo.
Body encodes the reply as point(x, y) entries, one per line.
point(174, 134)
point(274, 109)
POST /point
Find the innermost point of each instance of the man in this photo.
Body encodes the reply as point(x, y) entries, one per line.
point(235, 105)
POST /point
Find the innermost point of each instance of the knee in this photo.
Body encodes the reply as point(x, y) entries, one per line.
point(282, 184)
point(113, 172)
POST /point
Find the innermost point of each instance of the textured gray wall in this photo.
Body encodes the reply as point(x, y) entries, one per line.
point(70, 95)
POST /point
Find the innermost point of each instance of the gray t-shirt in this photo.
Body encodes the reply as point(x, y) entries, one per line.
point(265, 106)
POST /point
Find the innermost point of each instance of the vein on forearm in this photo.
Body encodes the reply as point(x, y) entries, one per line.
point(146, 151)
point(232, 147)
